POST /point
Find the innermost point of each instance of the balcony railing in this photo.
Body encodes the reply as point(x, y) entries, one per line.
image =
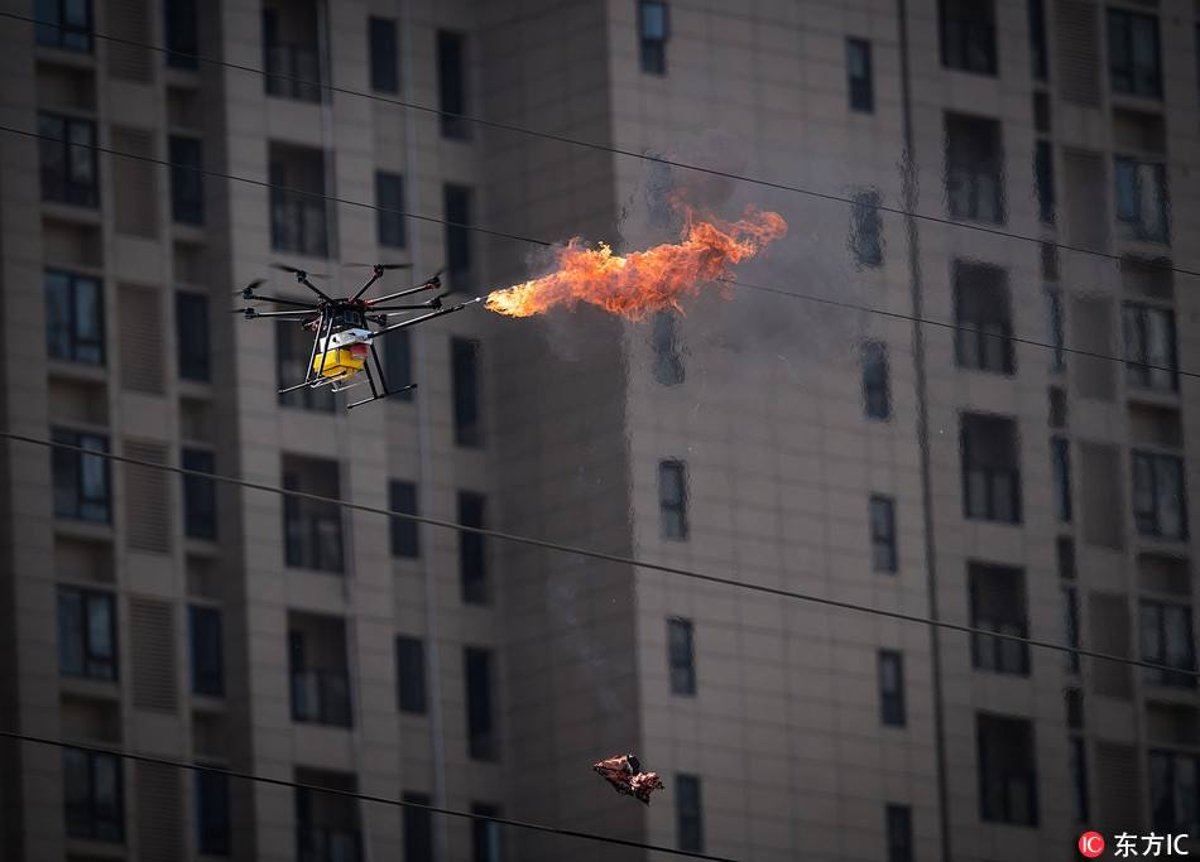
point(316, 844)
point(321, 697)
point(290, 68)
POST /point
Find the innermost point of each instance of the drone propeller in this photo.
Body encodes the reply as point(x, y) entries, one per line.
point(247, 292)
point(294, 271)
point(383, 266)
point(436, 302)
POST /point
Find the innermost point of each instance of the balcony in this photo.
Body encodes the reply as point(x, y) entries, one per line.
point(321, 697)
point(298, 223)
point(293, 71)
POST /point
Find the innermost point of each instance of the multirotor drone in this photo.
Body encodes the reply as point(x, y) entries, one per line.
point(344, 330)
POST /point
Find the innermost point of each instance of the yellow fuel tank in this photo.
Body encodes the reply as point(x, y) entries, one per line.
point(341, 361)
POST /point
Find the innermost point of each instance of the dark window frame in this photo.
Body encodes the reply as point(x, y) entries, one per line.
point(673, 506)
point(689, 813)
point(983, 334)
point(466, 378)
point(1142, 369)
point(1060, 463)
point(1148, 518)
point(866, 228)
point(860, 81)
point(1131, 214)
point(479, 682)
point(180, 33)
point(1127, 75)
point(458, 201)
point(967, 33)
point(383, 54)
point(193, 336)
point(453, 85)
point(898, 824)
point(974, 168)
point(993, 654)
point(1157, 648)
point(59, 30)
point(885, 556)
point(304, 520)
point(681, 656)
point(88, 817)
point(68, 168)
point(213, 821)
point(206, 651)
point(653, 37)
point(72, 499)
point(1043, 176)
point(988, 474)
point(1165, 807)
point(893, 710)
point(95, 655)
point(473, 570)
point(199, 494)
point(404, 533)
point(418, 827)
point(664, 340)
point(390, 224)
point(187, 179)
point(487, 838)
point(74, 339)
point(876, 383)
point(331, 703)
point(997, 800)
point(410, 675)
point(398, 365)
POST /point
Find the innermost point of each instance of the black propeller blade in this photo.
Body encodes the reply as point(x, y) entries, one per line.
point(248, 291)
point(294, 271)
point(383, 266)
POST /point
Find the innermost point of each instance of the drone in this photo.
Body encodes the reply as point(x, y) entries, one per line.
point(344, 330)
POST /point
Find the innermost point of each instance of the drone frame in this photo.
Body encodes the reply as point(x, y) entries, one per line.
point(319, 316)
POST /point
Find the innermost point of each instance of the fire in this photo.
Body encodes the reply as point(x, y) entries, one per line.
point(643, 282)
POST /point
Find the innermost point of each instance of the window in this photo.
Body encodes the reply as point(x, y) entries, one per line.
point(1142, 202)
point(300, 222)
point(452, 86)
point(74, 318)
point(405, 534)
point(67, 158)
point(883, 534)
point(93, 795)
point(81, 480)
point(1060, 461)
point(320, 683)
point(1133, 62)
point(983, 319)
point(1054, 313)
point(688, 816)
point(65, 24)
point(481, 737)
point(187, 180)
point(1079, 780)
point(191, 334)
point(1037, 40)
point(293, 352)
point(385, 77)
point(199, 495)
point(1150, 358)
point(672, 499)
point(891, 688)
point(389, 197)
point(1167, 640)
point(968, 31)
point(877, 396)
point(418, 829)
point(1064, 547)
point(653, 32)
point(179, 32)
point(1041, 112)
point(899, 833)
point(472, 549)
point(866, 228)
point(464, 362)
point(290, 42)
point(1159, 498)
point(212, 813)
point(1070, 600)
point(208, 664)
point(974, 169)
point(681, 660)
point(1007, 770)
point(858, 71)
point(991, 470)
point(486, 843)
point(1043, 180)
point(397, 363)
point(997, 595)
point(87, 634)
point(457, 205)
point(410, 673)
point(312, 529)
point(668, 365)
point(1058, 412)
point(327, 825)
point(1175, 792)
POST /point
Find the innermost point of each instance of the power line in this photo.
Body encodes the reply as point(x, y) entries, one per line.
point(350, 794)
point(604, 556)
point(565, 139)
point(546, 243)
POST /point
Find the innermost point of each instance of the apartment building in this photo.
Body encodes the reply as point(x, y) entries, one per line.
point(999, 473)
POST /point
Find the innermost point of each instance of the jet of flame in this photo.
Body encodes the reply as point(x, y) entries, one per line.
point(643, 282)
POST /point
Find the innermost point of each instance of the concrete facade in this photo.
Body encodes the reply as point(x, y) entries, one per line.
point(784, 727)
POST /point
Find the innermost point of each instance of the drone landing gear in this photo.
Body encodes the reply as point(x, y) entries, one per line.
point(378, 393)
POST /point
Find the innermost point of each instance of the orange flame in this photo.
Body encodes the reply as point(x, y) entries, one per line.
point(643, 281)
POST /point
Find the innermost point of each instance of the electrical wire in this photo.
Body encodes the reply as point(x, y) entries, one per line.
point(604, 556)
point(546, 243)
point(662, 160)
point(350, 794)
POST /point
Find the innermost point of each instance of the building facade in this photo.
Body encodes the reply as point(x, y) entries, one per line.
point(1023, 171)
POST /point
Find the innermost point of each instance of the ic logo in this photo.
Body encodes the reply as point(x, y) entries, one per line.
point(1091, 844)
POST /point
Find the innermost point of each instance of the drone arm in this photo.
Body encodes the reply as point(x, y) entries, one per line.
point(279, 300)
point(429, 285)
point(413, 321)
point(303, 279)
point(293, 315)
point(400, 307)
point(374, 278)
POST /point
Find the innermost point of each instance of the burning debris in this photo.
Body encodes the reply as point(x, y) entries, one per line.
point(643, 282)
point(624, 773)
